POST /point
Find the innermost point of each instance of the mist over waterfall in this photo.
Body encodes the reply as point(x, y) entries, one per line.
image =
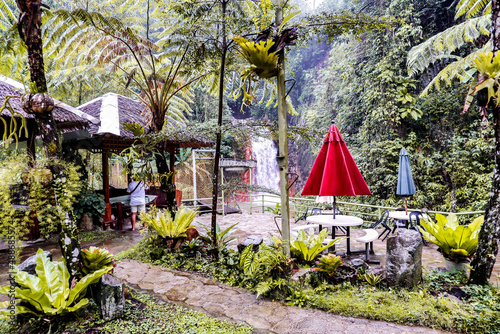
point(266, 174)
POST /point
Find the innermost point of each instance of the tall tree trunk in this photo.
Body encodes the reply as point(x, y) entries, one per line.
point(30, 31)
point(166, 185)
point(489, 236)
point(215, 177)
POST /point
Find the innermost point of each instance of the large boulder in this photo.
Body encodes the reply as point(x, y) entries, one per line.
point(29, 265)
point(110, 297)
point(86, 222)
point(404, 259)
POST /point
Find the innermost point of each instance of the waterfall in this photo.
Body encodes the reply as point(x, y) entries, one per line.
point(267, 172)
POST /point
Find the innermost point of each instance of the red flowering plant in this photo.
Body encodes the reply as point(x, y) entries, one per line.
point(96, 258)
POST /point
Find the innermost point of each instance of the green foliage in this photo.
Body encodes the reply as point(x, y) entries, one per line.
point(307, 247)
point(49, 294)
point(223, 238)
point(266, 270)
point(143, 313)
point(95, 259)
point(372, 279)
point(276, 210)
point(342, 21)
point(264, 63)
point(488, 67)
point(160, 222)
point(328, 264)
point(443, 280)
point(444, 44)
point(49, 189)
point(419, 306)
point(89, 202)
point(454, 241)
point(297, 298)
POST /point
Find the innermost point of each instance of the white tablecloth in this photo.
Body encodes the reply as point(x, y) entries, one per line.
point(340, 220)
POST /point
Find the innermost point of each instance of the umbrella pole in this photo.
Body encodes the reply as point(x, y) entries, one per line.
point(406, 205)
point(334, 206)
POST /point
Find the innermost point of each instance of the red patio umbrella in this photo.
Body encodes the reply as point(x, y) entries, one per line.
point(334, 172)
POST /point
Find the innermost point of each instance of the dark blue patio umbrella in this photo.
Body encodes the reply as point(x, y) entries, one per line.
point(405, 179)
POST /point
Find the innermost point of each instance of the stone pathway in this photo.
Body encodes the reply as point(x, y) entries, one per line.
point(240, 305)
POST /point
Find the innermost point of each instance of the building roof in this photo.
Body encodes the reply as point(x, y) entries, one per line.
point(113, 110)
point(66, 116)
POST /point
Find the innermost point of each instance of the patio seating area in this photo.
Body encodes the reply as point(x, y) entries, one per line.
point(263, 224)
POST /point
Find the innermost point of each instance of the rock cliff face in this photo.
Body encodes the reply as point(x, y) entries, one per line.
point(300, 159)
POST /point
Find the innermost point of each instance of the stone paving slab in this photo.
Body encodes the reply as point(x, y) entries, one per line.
point(240, 305)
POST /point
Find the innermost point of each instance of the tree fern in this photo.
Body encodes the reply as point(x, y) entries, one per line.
point(443, 44)
point(471, 8)
point(462, 69)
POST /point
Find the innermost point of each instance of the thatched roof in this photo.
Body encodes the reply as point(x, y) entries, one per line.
point(66, 117)
point(114, 110)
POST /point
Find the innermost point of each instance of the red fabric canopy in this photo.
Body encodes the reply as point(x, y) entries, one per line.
point(334, 172)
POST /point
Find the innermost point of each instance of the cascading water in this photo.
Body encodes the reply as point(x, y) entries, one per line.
point(267, 172)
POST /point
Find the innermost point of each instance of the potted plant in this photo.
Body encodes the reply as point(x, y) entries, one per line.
point(88, 205)
point(456, 242)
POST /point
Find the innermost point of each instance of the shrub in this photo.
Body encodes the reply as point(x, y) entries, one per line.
point(49, 294)
point(96, 258)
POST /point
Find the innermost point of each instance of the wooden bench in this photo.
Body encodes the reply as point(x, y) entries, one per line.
point(370, 236)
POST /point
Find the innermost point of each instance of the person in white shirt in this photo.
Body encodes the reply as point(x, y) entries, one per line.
point(137, 190)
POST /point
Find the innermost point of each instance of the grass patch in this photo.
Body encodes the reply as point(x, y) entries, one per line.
point(143, 314)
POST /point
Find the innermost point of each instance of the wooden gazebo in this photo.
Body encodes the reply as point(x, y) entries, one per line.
point(110, 136)
point(68, 119)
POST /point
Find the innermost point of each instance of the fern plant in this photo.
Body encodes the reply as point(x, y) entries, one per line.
point(266, 270)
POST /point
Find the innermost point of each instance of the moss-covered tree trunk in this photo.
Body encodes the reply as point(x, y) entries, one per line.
point(166, 184)
point(30, 31)
point(489, 236)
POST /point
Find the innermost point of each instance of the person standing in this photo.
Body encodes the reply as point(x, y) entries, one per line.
point(137, 191)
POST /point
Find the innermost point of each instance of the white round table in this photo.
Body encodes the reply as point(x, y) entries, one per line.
point(339, 221)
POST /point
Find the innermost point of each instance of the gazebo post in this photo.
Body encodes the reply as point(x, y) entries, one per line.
point(105, 185)
point(171, 152)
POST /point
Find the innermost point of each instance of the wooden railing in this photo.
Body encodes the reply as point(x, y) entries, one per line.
point(262, 202)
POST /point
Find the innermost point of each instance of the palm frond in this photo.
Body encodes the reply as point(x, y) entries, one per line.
point(461, 69)
point(470, 8)
point(445, 43)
